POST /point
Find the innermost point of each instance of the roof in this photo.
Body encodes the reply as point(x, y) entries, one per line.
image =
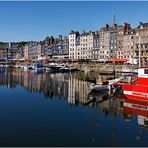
point(144, 25)
point(73, 32)
point(87, 33)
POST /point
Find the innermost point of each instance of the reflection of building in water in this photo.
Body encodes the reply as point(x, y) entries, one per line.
point(26, 79)
point(59, 84)
point(105, 105)
point(142, 121)
point(34, 82)
point(78, 90)
point(83, 89)
point(100, 100)
point(71, 90)
point(7, 78)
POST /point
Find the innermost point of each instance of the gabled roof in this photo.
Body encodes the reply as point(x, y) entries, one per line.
point(73, 32)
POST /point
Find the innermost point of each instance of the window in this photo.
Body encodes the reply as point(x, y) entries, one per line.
point(137, 34)
point(141, 45)
point(145, 71)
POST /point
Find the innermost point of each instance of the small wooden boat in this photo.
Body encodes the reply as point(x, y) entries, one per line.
point(104, 85)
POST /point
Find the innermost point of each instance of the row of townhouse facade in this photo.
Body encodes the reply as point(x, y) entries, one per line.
point(110, 42)
point(49, 47)
point(116, 41)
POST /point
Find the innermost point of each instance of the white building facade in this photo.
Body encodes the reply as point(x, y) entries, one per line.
point(72, 44)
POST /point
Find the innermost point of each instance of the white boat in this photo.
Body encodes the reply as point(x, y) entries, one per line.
point(27, 67)
point(48, 69)
point(38, 67)
point(111, 82)
point(129, 70)
point(99, 87)
point(103, 86)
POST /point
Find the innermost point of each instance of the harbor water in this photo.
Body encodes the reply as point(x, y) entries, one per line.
point(58, 109)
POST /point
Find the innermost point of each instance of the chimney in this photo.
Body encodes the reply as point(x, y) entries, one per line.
point(60, 37)
point(126, 27)
point(140, 23)
point(114, 26)
point(107, 26)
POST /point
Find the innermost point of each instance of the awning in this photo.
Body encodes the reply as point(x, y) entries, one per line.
point(3, 59)
point(28, 59)
point(117, 60)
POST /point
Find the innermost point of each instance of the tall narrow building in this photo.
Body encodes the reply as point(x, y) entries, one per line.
point(104, 43)
point(128, 42)
point(96, 46)
point(72, 44)
point(120, 35)
point(85, 45)
point(141, 38)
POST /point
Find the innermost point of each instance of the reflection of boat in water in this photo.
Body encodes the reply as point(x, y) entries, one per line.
point(136, 107)
point(139, 108)
point(97, 96)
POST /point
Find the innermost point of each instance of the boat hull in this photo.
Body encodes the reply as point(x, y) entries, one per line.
point(136, 91)
point(99, 87)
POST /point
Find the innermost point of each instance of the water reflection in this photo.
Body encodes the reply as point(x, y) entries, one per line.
point(129, 108)
point(103, 111)
point(61, 85)
point(139, 108)
point(69, 86)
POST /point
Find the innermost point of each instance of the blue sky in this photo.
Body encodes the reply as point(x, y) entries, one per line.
point(23, 21)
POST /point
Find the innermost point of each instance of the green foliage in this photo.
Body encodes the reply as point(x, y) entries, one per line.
point(20, 44)
point(4, 45)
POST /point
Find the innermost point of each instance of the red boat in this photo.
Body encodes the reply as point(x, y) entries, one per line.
point(138, 91)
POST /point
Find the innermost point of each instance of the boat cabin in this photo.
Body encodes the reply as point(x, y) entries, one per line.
point(143, 76)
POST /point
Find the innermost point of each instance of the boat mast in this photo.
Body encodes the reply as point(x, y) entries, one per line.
point(114, 64)
point(139, 51)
